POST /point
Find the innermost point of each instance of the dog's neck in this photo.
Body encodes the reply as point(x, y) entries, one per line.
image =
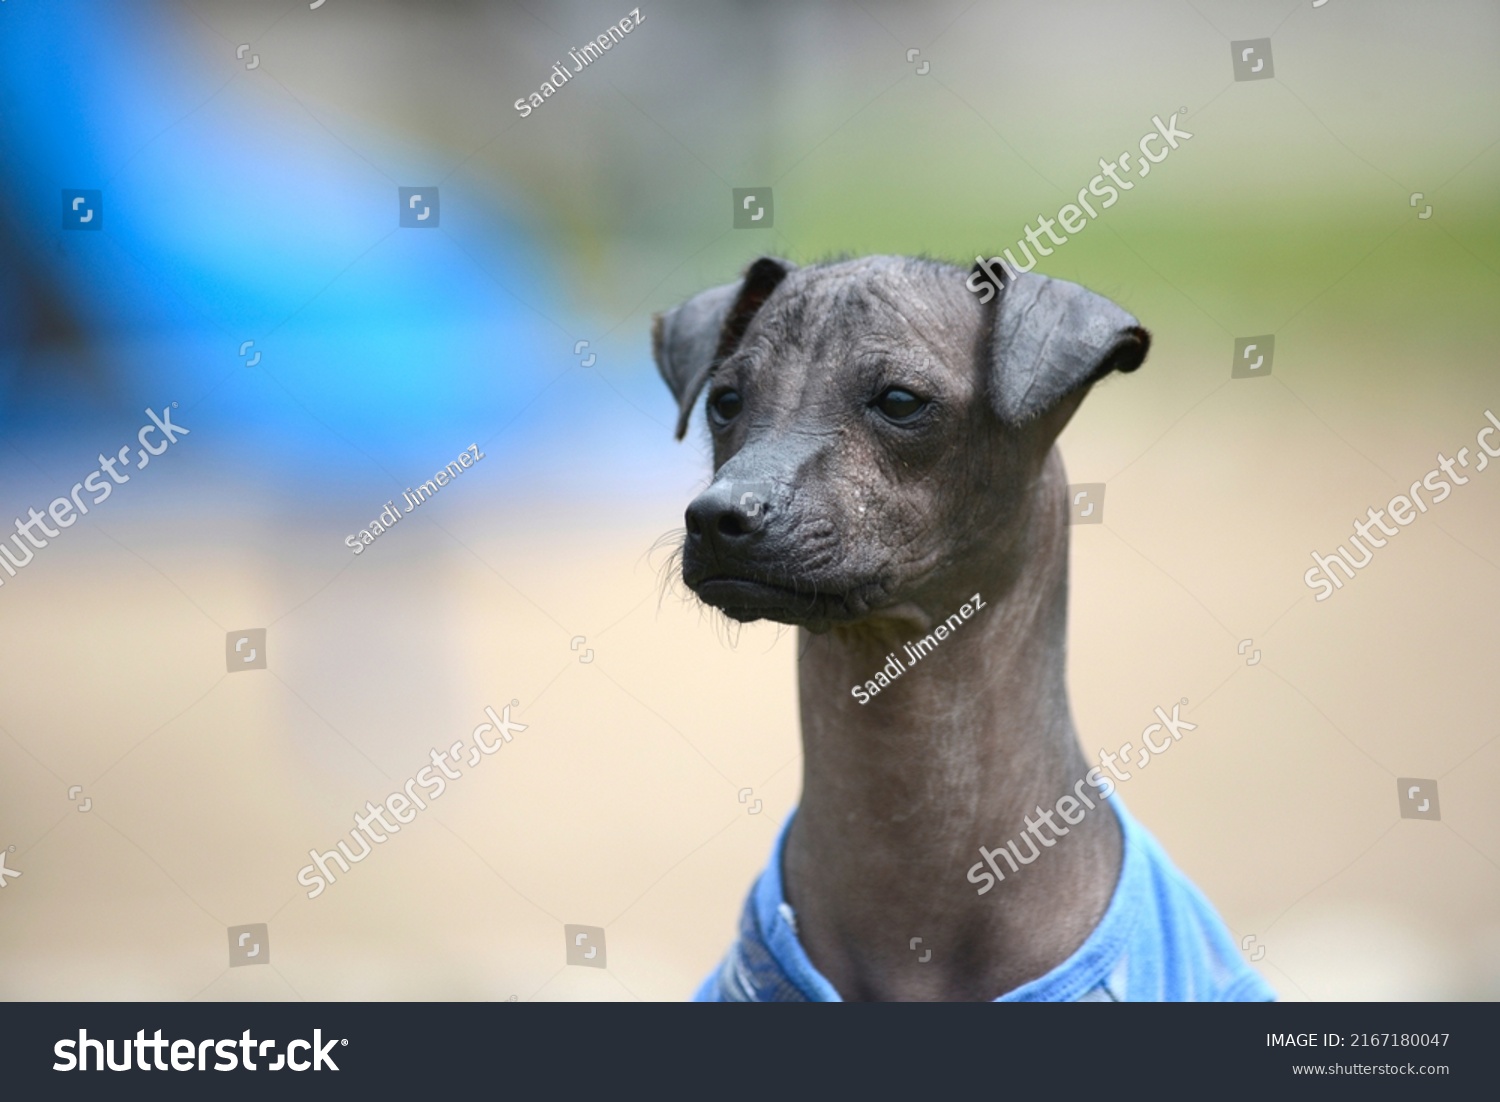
point(899, 793)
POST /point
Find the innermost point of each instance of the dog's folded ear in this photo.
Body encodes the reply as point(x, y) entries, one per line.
point(1050, 338)
point(690, 340)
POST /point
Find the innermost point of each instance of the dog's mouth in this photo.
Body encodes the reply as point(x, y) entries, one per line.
point(785, 601)
point(729, 592)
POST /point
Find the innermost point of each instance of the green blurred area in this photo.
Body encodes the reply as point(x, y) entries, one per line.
point(1288, 186)
point(1290, 204)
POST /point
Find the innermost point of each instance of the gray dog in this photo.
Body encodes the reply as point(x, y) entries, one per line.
point(885, 479)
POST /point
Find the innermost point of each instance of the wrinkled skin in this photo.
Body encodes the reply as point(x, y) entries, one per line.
point(857, 512)
point(865, 533)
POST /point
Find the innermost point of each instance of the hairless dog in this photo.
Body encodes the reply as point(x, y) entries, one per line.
point(884, 456)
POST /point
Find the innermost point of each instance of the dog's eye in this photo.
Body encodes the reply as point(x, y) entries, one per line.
point(900, 405)
point(725, 406)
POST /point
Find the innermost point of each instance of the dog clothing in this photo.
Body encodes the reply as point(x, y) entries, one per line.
point(1160, 940)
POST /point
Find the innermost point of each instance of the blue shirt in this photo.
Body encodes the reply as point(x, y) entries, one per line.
point(1159, 941)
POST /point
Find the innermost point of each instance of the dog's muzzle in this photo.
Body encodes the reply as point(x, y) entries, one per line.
point(731, 559)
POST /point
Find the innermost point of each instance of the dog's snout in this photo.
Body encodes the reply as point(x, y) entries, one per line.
point(727, 513)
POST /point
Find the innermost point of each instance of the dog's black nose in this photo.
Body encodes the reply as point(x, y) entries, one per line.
point(728, 512)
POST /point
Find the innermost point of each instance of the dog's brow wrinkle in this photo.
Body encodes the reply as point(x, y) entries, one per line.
point(899, 309)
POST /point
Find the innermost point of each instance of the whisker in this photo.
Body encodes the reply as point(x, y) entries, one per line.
point(669, 570)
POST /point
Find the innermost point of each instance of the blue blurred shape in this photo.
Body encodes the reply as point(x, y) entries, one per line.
point(236, 214)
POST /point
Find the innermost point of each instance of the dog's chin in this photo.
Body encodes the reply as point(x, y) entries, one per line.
point(816, 609)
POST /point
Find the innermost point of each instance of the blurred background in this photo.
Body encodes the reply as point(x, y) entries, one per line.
point(247, 263)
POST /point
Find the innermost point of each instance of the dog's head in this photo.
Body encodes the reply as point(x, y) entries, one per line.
point(874, 425)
